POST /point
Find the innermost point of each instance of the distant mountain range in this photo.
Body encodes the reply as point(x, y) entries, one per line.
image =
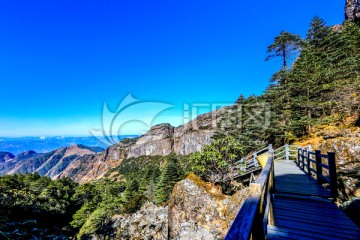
point(49, 164)
point(82, 163)
point(47, 144)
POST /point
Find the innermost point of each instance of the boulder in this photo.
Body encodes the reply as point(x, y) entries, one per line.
point(199, 210)
point(150, 222)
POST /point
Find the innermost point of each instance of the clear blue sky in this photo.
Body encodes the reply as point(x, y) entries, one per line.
point(61, 60)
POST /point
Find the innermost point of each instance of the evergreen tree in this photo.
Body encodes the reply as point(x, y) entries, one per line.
point(169, 176)
point(285, 46)
point(149, 183)
point(317, 32)
point(132, 189)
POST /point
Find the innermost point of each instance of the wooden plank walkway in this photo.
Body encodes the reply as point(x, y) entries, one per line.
point(289, 178)
point(302, 209)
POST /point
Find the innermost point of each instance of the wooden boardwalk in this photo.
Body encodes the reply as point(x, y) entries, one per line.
point(302, 209)
point(290, 179)
point(288, 200)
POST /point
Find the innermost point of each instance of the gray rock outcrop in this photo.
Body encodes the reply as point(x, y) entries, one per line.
point(199, 210)
point(194, 135)
point(157, 141)
point(196, 210)
point(150, 222)
point(352, 10)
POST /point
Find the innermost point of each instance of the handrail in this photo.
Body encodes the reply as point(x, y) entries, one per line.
point(305, 154)
point(287, 152)
point(251, 156)
point(256, 211)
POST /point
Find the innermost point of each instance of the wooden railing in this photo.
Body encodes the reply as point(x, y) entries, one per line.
point(256, 212)
point(312, 164)
point(245, 165)
point(286, 152)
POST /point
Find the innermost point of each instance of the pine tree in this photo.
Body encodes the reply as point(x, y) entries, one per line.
point(132, 189)
point(285, 46)
point(148, 182)
point(317, 32)
point(169, 176)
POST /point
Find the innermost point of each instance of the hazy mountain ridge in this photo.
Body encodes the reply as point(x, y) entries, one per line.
point(48, 164)
point(160, 140)
point(5, 156)
point(17, 145)
point(82, 163)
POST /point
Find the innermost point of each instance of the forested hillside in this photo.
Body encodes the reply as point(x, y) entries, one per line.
point(320, 87)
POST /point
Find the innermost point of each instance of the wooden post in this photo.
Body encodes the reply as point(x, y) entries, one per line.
point(318, 166)
point(255, 160)
point(308, 147)
point(257, 230)
point(299, 155)
point(304, 154)
point(271, 150)
point(271, 153)
point(286, 151)
point(332, 175)
point(308, 162)
point(271, 191)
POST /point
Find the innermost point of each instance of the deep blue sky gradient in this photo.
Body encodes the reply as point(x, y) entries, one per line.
point(61, 60)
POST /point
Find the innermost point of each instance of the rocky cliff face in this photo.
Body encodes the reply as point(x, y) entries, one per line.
point(157, 141)
point(191, 137)
point(92, 167)
point(194, 135)
point(352, 10)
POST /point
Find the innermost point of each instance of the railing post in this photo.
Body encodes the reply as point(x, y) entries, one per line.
point(308, 162)
point(318, 166)
point(299, 155)
point(271, 218)
point(308, 147)
point(271, 153)
point(304, 154)
point(255, 160)
point(271, 149)
point(286, 151)
point(332, 174)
